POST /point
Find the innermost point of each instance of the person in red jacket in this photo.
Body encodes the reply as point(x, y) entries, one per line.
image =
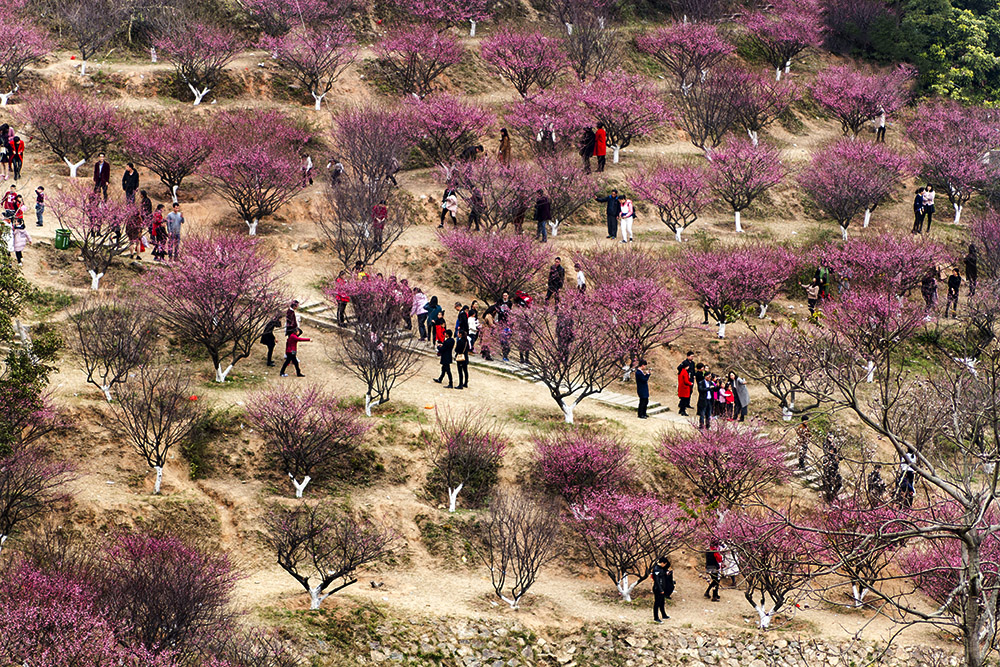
point(291, 350)
point(684, 386)
point(601, 147)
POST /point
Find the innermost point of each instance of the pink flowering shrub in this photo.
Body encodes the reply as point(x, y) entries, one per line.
point(574, 463)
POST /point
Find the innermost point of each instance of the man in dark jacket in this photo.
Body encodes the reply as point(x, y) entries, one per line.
point(446, 351)
point(613, 210)
point(954, 282)
point(557, 275)
point(663, 587)
point(543, 213)
point(972, 268)
point(642, 387)
point(587, 144)
point(102, 175)
point(704, 402)
point(130, 182)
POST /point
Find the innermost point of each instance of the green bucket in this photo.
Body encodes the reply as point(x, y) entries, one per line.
point(62, 239)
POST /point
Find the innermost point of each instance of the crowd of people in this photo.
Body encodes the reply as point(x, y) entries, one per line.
point(721, 397)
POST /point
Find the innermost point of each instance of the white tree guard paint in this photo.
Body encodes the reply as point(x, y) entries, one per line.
point(299, 486)
point(73, 168)
point(199, 95)
point(453, 496)
point(159, 480)
point(252, 226)
point(220, 375)
point(95, 279)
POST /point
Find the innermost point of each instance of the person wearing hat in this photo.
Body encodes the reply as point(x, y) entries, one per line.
point(291, 318)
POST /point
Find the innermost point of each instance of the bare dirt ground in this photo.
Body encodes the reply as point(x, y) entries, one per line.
point(113, 487)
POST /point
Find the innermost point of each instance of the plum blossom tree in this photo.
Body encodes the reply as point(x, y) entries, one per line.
point(219, 295)
point(499, 193)
point(785, 31)
point(592, 46)
point(373, 140)
point(729, 464)
point(199, 54)
point(643, 315)
point(30, 48)
point(548, 121)
point(468, 456)
point(154, 413)
point(496, 263)
point(886, 262)
point(758, 356)
point(414, 56)
point(72, 125)
point(31, 482)
point(516, 538)
point(373, 352)
point(317, 545)
point(606, 265)
point(686, 50)
point(709, 109)
point(958, 163)
point(353, 231)
point(742, 172)
point(849, 177)
point(306, 431)
point(574, 464)
point(447, 125)
point(114, 337)
point(90, 25)
point(856, 96)
point(254, 179)
point(628, 106)
point(625, 534)
point(99, 226)
point(314, 57)
point(761, 100)
point(445, 12)
point(527, 59)
point(679, 193)
point(278, 17)
point(568, 188)
point(726, 281)
point(774, 559)
point(172, 147)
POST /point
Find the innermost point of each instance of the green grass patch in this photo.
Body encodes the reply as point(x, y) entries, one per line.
point(45, 302)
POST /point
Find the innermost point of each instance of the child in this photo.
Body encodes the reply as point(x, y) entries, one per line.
point(291, 350)
point(726, 398)
point(39, 205)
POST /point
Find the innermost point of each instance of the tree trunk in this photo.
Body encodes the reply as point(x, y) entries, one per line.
point(739, 226)
point(95, 279)
point(765, 616)
point(567, 409)
point(555, 227)
point(152, 54)
point(763, 311)
point(319, 100)
point(253, 226)
point(4, 97)
point(453, 496)
point(83, 68)
point(159, 480)
point(972, 612)
point(777, 74)
point(198, 95)
point(958, 213)
point(173, 193)
point(677, 233)
point(107, 392)
point(870, 372)
point(299, 487)
point(859, 594)
point(472, 28)
point(843, 232)
point(73, 168)
point(624, 589)
point(3, 538)
point(614, 155)
point(754, 138)
point(722, 329)
point(788, 66)
point(569, 28)
point(868, 218)
point(368, 405)
point(220, 375)
point(513, 602)
point(315, 597)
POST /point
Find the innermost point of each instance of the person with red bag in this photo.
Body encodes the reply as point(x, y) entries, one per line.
point(713, 566)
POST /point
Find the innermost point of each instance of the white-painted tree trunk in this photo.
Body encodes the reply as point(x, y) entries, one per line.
point(453, 496)
point(722, 329)
point(843, 232)
point(106, 390)
point(677, 233)
point(220, 375)
point(152, 54)
point(763, 311)
point(554, 224)
point(870, 375)
point(739, 226)
point(3, 538)
point(252, 225)
point(859, 594)
point(754, 137)
point(83, 68)
point(199, 95)
point(787, 412)
point(73, 168)
point(472, 28)
point(319, 100)
point(173, 193)
point(4, 97)
point(299, 486)
point(958, 213)
point(512, 602)
point(777, 74)
point(567, 409)
point(368, 405)
point(600, 22)
point(95, 279)
point(788, 66)
point(159, 480)
point(569, 28)
point(765, 616)
point(625, 589)
point(614, 155)
point(315, 597)
point(868, 218)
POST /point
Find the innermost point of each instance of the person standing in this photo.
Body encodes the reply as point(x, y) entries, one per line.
point(730, 566)
point(918, 211)
point(449, 207)
point(39, 205)
point(663, 588)
point(462, 318)
point(627, 216)
point(292, 318)
point(380, 213)
point(503, 150)
point(929, 205)
point(17, 156)
point(102, 176)
point(880, 126)
point(462, 359)
point(557, 276)
point(445, 350)
point(543, 213)
point(587, 144)
point(685, 384)
point(267, 338)
point(174, 221)
point(928, 290)
point(812, 294)
point(145, 204)
point(291, 352)
point(130, 182)
point(713, 565)
point(420, 310)
point(954, 283)
point(10, 203)
point(473, 327)
point(581, 279)
point(158, 234)
point(742, 396)
point(613, 210)
point(600, 147)
point(972, 268)
point(307, 170)
point(704, 406)
point(642, 387)
point(19, 235)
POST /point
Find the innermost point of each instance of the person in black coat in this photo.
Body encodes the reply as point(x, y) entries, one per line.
point(954, 283)
point(587, 145)
point(663, 587)
point(543, 214)
point(972, 268)
point(462, 358)
point(614, 208)
point(557, 277)
point(267, 338)
point(446, 351)
point(918, 212)
point(704, 402)
point(130, 182)
point(642, 387)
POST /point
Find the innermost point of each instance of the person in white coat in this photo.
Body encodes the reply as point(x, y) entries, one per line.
point(626, 216)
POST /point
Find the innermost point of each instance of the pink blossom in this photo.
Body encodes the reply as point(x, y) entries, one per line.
point(761, 99)
point(574, 463)
point(101, 227)
point(315, 58)
point(549, 120)
point(496, 263)
point(199, 53)
point(526, 59)
point(785, 30)
point(679, 193)
point(568, 187)
point(742, 172)
point(642, 312)
point(686, 50)
point(278, 17)
point(500, 193)
point(893, 263)
point(172, 147)
point(414, 56)
point(16, 55)
point(446, 11)
point(856, 96)
point(447, 125)
point(627, 105)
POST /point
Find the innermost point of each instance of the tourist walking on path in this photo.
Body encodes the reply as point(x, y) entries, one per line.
point(342, 298)
point(581, 279)
point(292, 318)
point(420, 310)
point(449, 207)
point(446, 350)
point(713, 565)
point(642, 387)
point(175, 219)
point(267, 338)
point(130, 182)
point(462, 359)
point(663, 588)
point(614, 208)
point(503, 151)
point(929, 205)
point(102, 176)
point(928, 290)
point(600, 147)
point(543, 213)
point(627, 216)
point(19, 235)
point(291, 352)
point(557, 277)
point(812, 294)
point(158, 234)
point(880, 127)
point(972, 268)
point(39, 205)
point(954, 283)
point(704, 405)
